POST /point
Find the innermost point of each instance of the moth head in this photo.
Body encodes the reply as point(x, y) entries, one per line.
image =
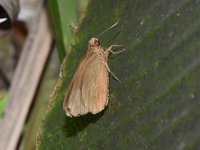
point(94, 42)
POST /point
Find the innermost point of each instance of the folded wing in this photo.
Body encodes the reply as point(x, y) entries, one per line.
point(88, 90)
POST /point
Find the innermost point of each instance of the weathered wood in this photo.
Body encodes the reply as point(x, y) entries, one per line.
point(9, 10)
point(2, 20)
point(25, 82)
point(11, 7)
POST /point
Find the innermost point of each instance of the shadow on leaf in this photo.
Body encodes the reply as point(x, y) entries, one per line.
point(74, 125)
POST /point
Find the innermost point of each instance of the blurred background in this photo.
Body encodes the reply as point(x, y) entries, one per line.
point(29, 65)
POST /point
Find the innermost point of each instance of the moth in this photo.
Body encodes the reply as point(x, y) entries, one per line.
point(88, 89)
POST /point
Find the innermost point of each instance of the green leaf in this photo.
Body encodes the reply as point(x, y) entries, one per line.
point(157, 104)
point(3, 101)
point(63, 13)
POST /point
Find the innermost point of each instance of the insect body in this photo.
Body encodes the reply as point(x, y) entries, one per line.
point(88, 89)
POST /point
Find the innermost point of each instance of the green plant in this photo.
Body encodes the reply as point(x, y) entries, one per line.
point(157, 104)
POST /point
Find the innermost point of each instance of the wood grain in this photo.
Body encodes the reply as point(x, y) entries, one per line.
point(11, 7)
point(25, 82)
point(8, 12)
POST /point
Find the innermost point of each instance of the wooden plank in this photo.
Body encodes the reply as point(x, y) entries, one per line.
point(25, 82)
point(11, 7)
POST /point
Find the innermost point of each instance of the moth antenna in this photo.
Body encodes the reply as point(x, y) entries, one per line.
point(107, 29)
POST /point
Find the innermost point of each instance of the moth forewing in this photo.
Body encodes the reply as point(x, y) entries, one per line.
point(95, 86)
point(88, 89)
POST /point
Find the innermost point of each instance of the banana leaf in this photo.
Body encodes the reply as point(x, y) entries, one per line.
point(156, 105)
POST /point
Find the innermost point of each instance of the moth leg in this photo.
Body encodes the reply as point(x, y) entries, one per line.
point(107, 67)
point(113, 52)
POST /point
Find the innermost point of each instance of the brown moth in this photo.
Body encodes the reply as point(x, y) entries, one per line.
point(88, 89)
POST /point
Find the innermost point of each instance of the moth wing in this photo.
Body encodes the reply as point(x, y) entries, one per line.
point(88, 90)
point(95, 86)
